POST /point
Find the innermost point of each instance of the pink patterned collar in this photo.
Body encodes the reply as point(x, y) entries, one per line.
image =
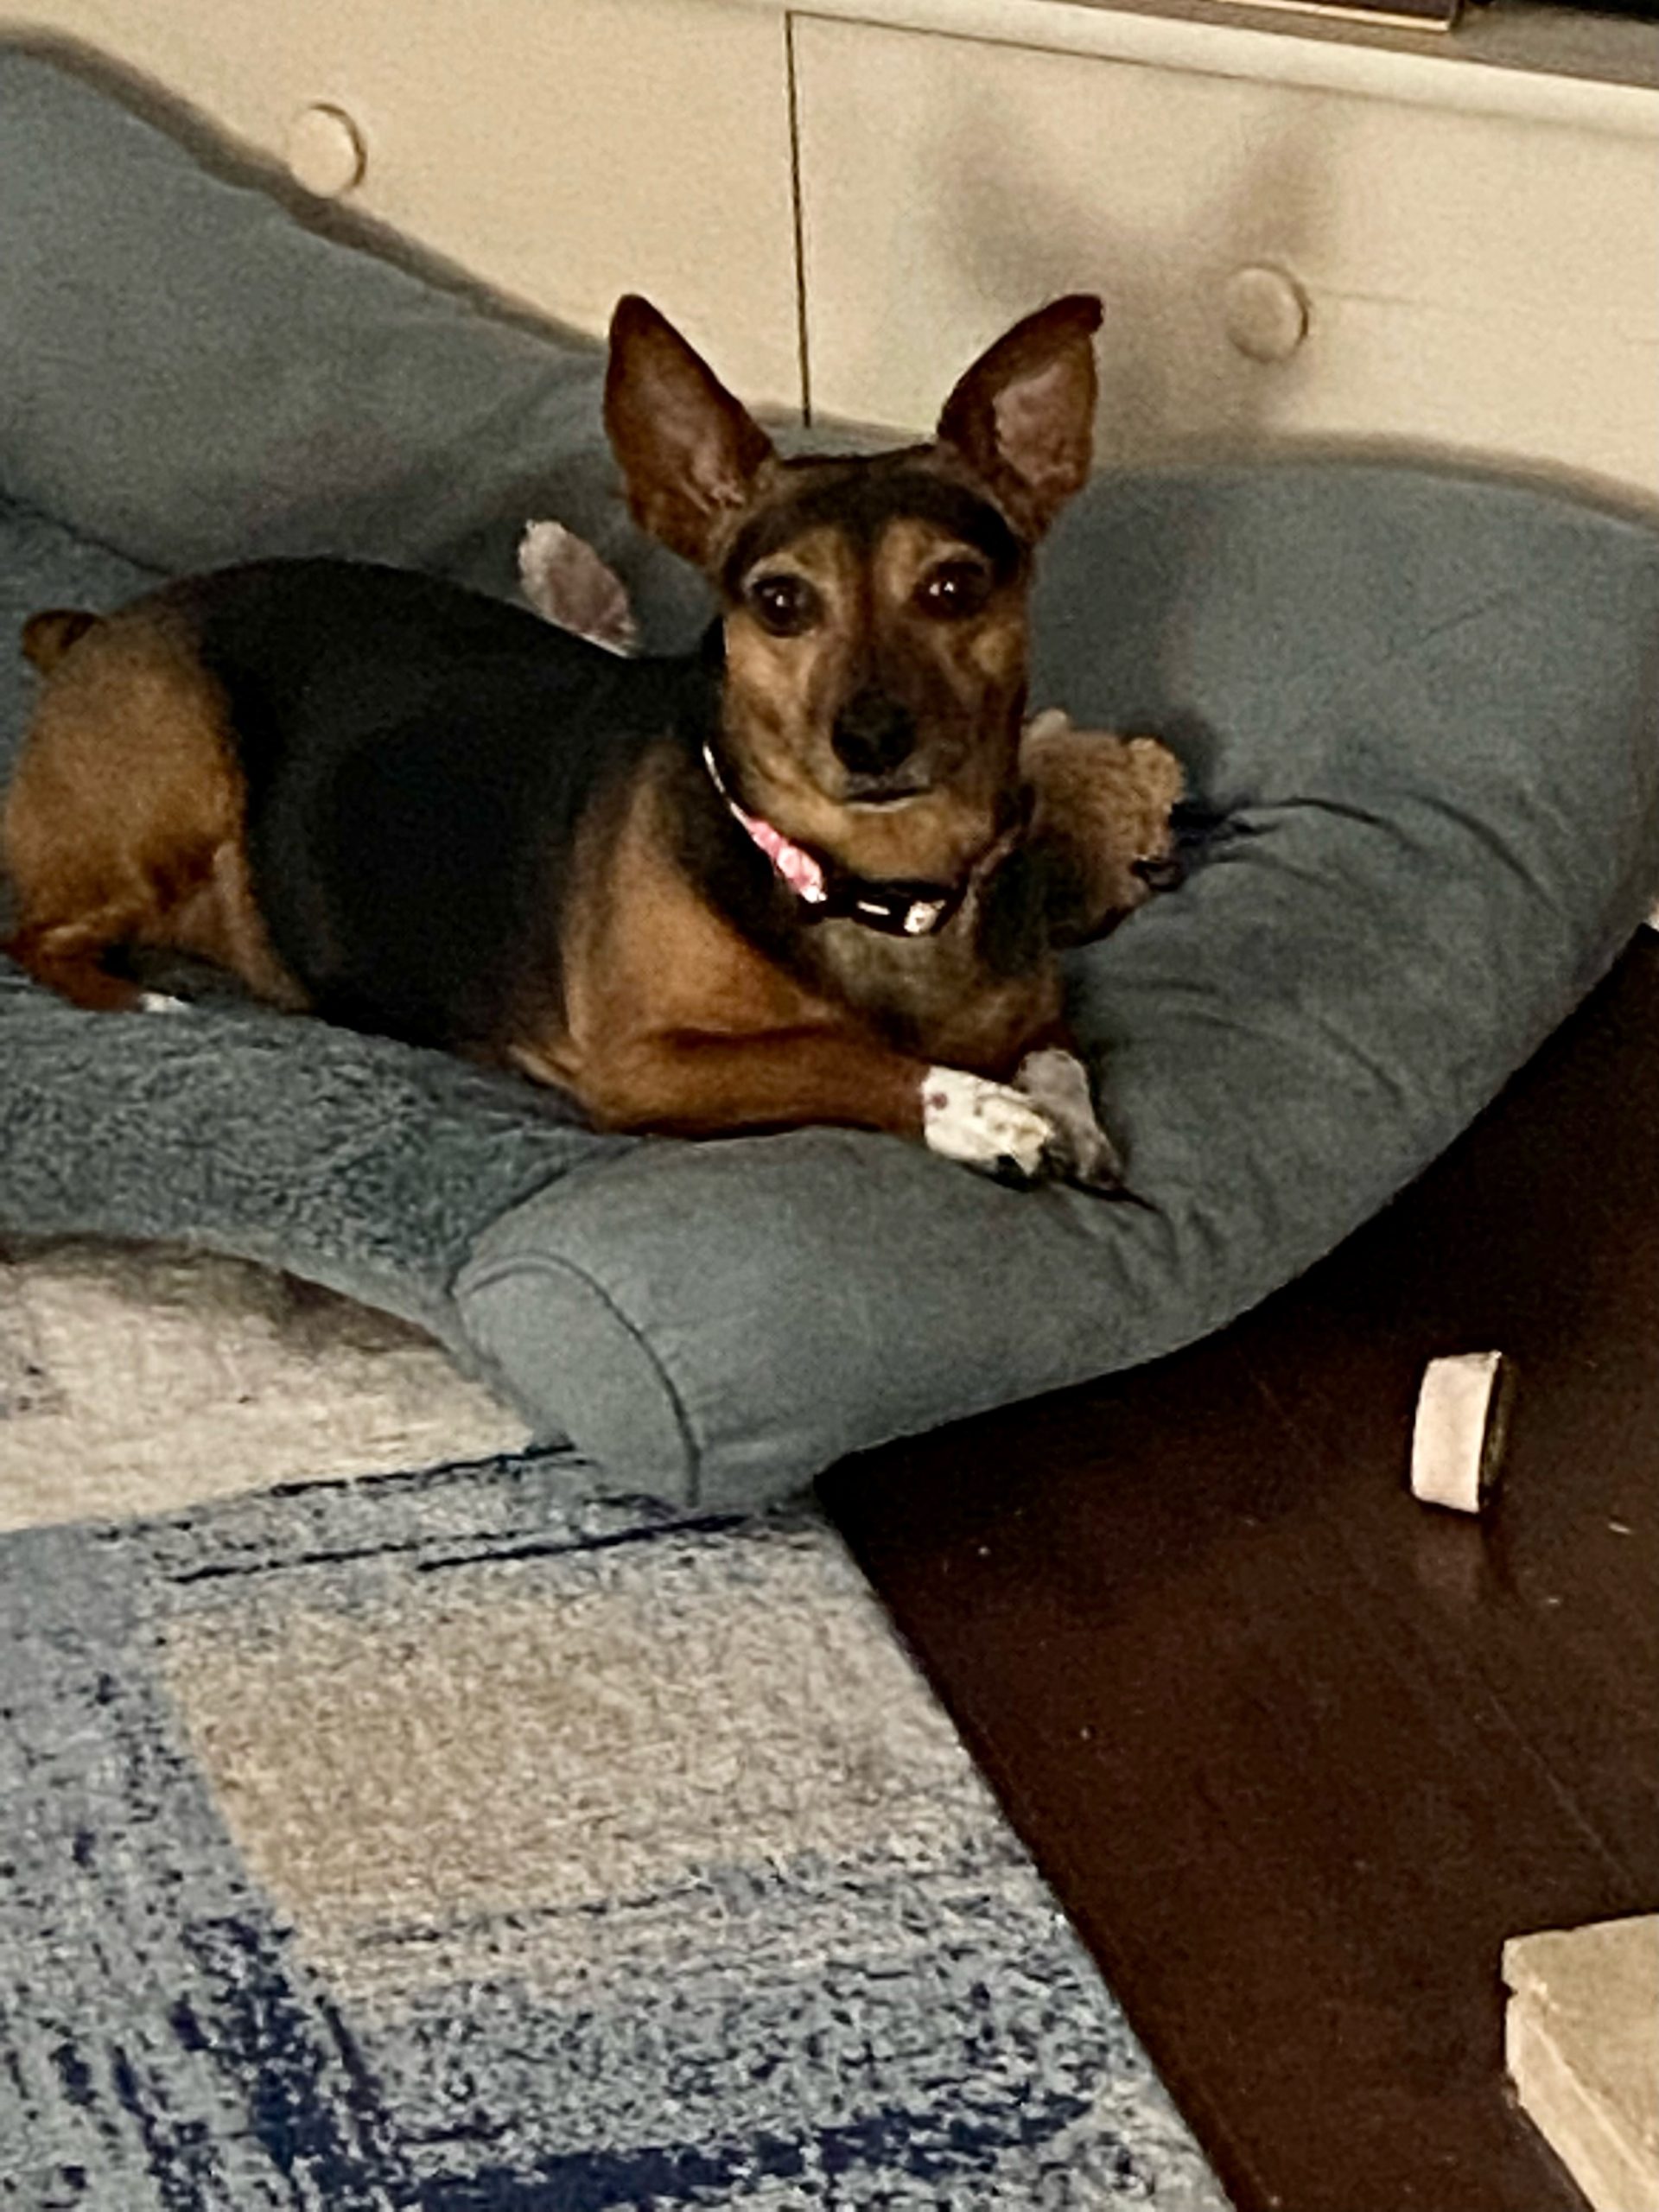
point(804, 875)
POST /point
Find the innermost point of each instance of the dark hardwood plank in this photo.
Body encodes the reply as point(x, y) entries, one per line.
point(1296, 1752)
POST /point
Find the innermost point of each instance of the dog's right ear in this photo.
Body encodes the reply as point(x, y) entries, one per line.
point(689, 452)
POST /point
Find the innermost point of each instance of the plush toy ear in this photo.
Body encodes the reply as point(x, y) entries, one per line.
point(1024, 415)
point(689, 453)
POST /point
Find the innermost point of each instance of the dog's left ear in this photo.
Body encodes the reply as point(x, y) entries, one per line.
point(1024, 415)
point(689, 452)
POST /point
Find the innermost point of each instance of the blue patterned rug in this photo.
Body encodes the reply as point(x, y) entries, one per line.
point(448, 1841)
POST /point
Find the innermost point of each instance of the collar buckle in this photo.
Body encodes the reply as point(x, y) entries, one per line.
point(891, 909)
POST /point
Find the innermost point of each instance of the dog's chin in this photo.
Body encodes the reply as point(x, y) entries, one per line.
point(932, 833)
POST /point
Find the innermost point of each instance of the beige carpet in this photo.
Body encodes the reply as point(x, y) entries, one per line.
point(136, 1380)
point(456, 1839)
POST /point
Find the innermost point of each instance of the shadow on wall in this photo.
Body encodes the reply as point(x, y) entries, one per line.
point(1170, 374)
point(1174, 384)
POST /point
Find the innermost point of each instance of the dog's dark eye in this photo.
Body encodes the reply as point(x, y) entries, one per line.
point(784, 603)
point(954, 590)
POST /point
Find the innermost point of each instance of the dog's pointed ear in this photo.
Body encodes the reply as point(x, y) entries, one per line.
point(689, 452)
point(1024, 415)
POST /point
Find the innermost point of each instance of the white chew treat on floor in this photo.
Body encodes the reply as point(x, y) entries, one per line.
point(1458, 1431)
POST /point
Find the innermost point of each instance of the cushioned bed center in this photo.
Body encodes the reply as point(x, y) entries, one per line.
point(1423, 703)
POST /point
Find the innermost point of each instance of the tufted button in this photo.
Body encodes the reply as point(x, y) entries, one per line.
point(325, 151)
point(1265, 312)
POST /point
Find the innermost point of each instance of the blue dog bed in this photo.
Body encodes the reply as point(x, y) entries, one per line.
point(1423, 703)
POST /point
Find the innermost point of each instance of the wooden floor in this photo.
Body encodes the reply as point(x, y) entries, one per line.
point(1297, 1752)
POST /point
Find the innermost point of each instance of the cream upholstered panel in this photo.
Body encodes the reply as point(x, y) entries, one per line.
point(564, 150)
point(1475, 280)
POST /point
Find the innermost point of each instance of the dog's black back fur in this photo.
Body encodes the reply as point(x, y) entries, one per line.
point(418, 761)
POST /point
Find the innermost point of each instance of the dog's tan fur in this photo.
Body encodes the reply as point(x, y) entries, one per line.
point(122, 825)
point(673, 1020)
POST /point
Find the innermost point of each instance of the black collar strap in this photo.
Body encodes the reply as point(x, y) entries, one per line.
point(896, 909)
point(893, 909)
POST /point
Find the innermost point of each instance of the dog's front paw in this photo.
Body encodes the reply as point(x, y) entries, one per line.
point(987, 1125)
point(1079, 1149)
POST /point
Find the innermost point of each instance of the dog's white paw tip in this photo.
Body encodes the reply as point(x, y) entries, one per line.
point(983, 1124)
point(161, 1002)
point(1053, 1065)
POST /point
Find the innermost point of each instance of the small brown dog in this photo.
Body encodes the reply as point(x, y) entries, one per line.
point(800, 876)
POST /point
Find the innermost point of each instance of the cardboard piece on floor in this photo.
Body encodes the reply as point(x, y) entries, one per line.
point(1581, 2039)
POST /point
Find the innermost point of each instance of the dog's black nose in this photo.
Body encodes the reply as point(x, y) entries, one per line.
point(872, 734)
